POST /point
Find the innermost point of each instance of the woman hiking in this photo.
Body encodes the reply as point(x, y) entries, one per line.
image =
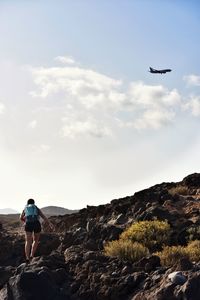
point(30, 216)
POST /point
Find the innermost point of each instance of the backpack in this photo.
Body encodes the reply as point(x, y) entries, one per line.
point(31, 213)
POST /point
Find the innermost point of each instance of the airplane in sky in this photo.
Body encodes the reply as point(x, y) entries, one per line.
point(151, 70)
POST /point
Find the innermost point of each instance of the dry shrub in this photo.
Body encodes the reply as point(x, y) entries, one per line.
point(125, 249)
point(193, 233)
point(171, 256)
point(193, 250)
point(179, 189)
point(150, 233)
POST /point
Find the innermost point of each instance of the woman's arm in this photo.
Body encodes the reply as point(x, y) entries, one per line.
point(45, 219)
point(22, 216)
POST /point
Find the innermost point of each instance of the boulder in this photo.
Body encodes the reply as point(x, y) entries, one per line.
point(177, 278)
point(191, 289)
point(5, 274)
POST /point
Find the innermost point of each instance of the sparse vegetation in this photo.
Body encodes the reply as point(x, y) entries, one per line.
point(193, 250)
point(139, 239)
point(10, 222)
point(170, 256)
point(193, 233)
point(151, 233)
point(14, 224)
point(180, 189)
point(126, 249)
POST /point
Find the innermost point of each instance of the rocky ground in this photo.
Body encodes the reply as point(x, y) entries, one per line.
point(71, 264)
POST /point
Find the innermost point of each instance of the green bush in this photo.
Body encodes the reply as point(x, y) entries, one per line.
point(125, 249)
point(152, 234)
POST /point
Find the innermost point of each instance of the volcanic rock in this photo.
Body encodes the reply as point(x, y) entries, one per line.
point(70, 263)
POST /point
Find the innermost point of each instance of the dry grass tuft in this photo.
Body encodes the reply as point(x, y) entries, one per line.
point(180, 190)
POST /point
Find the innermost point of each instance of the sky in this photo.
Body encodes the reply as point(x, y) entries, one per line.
point(82, 121)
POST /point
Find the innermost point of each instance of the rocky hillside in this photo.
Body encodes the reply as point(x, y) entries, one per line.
point(70, 262)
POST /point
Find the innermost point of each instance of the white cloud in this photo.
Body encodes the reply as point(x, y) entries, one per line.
point(96, 104)
point(33, 124)
point(90, 127)
point(2, 108)
point(43, 148)
point(154, 106)
point(65, 59)
point(74, 81)
point(154, 119)
point(193, 105)
point(193, 80)
point(146, 96)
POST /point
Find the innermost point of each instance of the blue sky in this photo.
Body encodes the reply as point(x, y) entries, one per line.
point(82, 121)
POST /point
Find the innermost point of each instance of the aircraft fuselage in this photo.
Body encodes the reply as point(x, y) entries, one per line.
point(154, 71)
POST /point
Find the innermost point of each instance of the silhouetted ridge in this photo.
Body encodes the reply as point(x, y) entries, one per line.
point(56, 210)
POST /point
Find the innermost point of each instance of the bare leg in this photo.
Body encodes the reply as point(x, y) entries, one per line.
point(36, 237)
point(28, 236)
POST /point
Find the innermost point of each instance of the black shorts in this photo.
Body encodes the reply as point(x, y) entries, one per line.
point(33, 227)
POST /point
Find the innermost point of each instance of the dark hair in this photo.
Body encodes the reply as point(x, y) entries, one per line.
point(31, 201)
